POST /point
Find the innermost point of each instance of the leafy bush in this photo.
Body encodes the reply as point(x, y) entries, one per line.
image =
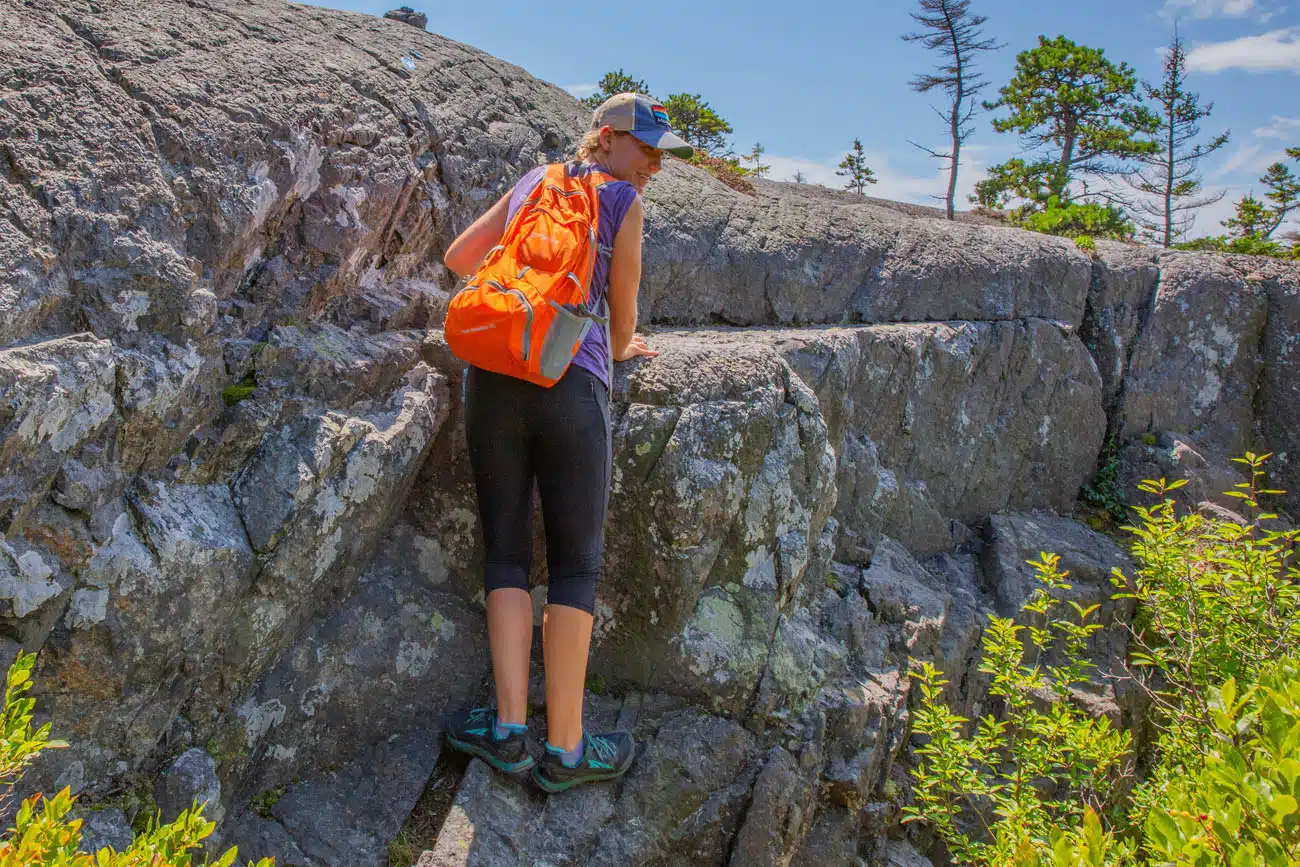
point(1076, 219)
point(42, 832)
point(1216, 600)
point(1041, 765)
point(1249, 245)
point(1213, 645)
point(726, 169)
point(1243, 806)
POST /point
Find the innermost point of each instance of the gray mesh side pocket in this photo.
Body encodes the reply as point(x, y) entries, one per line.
point(566, 332)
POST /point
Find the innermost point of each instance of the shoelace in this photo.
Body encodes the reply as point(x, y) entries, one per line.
point(605, 751)
point(482, 715)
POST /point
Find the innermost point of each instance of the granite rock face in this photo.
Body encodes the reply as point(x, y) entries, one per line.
point(236, 513)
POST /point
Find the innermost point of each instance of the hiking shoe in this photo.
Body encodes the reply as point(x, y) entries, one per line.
point(470, 731)
point(604, 757)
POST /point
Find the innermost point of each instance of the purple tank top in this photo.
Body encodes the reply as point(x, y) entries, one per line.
point(615, 199)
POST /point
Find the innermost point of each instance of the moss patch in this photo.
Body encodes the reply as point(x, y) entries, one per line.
point(241, 390)
point(264, 801)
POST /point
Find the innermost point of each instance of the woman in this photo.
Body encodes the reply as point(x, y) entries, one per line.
point(519, 432)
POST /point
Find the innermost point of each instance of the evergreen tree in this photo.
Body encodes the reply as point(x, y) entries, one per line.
point(1283, 191)
point(955, 33)
point(755, 157)
point(854, 168)
point(798, 177)
point(697, 123)
point(1170, 174)
point(1078, 110)
point(1251, 219)
point(612, 84)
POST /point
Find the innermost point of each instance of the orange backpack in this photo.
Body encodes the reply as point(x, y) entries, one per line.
point(527, 309)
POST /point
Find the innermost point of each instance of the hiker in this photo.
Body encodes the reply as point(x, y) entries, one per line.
point(525, 422)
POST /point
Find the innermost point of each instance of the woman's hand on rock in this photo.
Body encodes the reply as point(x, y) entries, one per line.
point(635, 347)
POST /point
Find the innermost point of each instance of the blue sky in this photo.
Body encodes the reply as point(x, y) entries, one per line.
point(805, 79)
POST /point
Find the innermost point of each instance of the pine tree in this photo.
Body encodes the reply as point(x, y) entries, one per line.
point(1078, 110)
point(1283, 191)
point(697, 123)
point(612, 84)
point(1170, 174)
point(854, 167)
point(755, 156)
point(956, 35)
point(1251, 219)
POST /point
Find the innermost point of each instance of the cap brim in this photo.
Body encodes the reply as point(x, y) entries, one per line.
point(665, 141)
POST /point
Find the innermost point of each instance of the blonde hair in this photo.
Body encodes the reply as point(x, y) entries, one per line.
point(589, 145)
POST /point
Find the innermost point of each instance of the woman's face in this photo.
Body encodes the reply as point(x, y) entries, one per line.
point(628, 158)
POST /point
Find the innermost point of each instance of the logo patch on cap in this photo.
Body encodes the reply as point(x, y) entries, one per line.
point(661, 116)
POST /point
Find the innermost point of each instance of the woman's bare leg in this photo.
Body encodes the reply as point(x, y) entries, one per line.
point(566, 643)
point(510, 634)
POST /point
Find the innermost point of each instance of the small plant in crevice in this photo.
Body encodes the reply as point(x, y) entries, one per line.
point(1104, 491)
point(264, 801)
point(238, 391)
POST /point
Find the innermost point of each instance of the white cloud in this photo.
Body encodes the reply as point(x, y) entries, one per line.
point(1275, 51)
point(1250, 159)
point(1280, 127)
point(582, 91)
point(1208, 8)
point(1242, 157)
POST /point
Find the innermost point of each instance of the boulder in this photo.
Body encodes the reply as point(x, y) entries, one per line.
point(407, 15)
point(1124, 282)
point(189, 781)
point(681, 803)
point(1277, 401)
point(949, 422)
point(1197, 362)
point(1090, 558)
point(715, 256)
point(106, 829)
point(58, 395)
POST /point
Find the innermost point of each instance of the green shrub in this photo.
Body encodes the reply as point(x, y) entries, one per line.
point(1243, 806)
point(1040, 765)
point(1249, 245)
point(1216, 600)
point(42, 832)
point(1075, 220)
point(1213, 646)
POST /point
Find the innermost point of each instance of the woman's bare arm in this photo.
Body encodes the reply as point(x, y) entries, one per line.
point(469, 248)
point(624, 282)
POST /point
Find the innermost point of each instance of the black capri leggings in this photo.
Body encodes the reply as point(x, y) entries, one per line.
point(559, 436)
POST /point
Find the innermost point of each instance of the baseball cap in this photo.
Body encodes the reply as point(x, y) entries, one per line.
point(645, 118)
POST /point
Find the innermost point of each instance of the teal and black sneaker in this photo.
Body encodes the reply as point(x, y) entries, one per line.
point(604, 757)
point(471, 731)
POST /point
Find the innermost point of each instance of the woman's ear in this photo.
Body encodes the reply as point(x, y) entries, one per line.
point(606, 138)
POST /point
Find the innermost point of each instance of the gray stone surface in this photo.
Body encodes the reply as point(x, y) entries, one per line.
point(1277, 401)
point(57, 395)
point(1124, 282)
point(107, 828)
point(407, 15)
point(679, 804)
point(1089, 558)
point(1208, 473)
point(1197, 362)
point(189, 781)
point(221, 230)
point(716, 256)
point(950, 422)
